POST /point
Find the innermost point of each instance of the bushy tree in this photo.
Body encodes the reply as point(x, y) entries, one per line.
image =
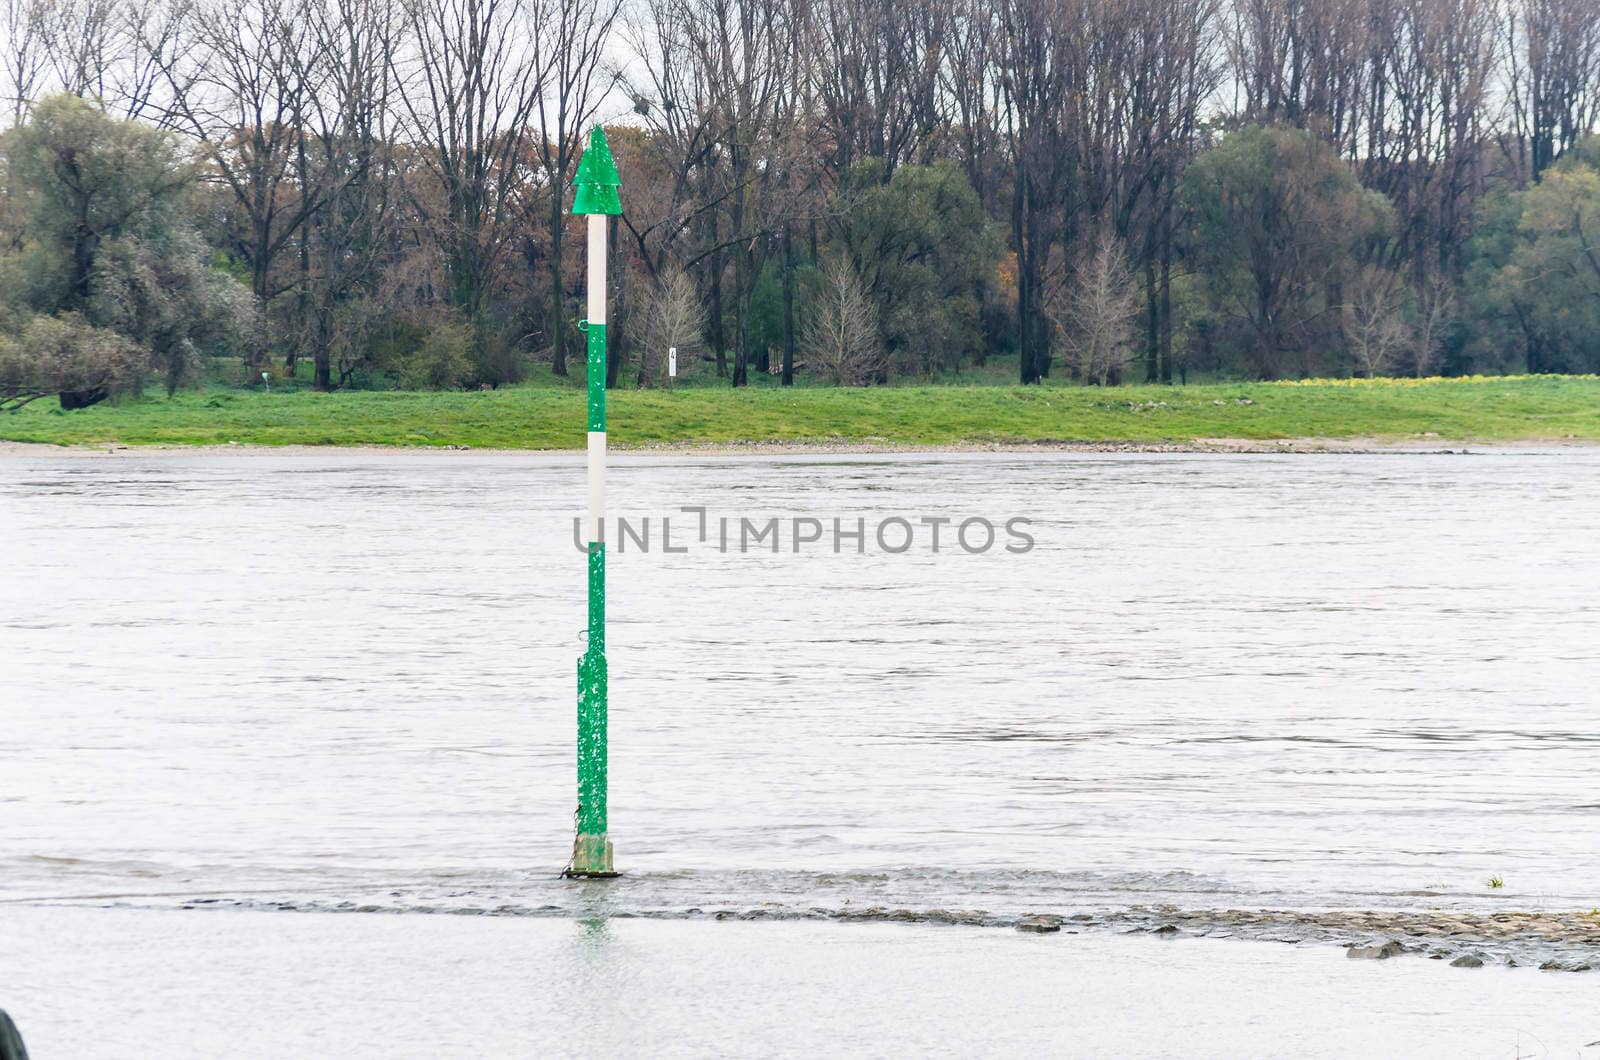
point(103, 238)
point(1508, 331)
point(1559, 258)
point(924, 252)
point(443, 360)
point(1535, 274)
point(65, 355)
point(160, 292)
point(1278, 222)
point(82, 180)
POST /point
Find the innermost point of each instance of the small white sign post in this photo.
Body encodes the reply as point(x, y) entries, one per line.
point(672, 362)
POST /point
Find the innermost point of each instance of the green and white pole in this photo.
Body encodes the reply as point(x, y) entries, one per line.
point(596, 198)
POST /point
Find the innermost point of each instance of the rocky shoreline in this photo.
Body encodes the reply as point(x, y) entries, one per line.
point(1550, 941)
point(1567, 942)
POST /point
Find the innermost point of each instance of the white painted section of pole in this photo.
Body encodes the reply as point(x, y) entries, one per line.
point(597, 315)
point(597, 486)
point(672, 361)
point(597, 268)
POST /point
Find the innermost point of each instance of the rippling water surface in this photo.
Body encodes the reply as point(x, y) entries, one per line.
point(1218, 680)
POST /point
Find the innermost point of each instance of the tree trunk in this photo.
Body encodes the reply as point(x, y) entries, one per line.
point(763, 354)
point(83, 248)
point(303, 301)
point(258, 286)
point(718, 339)
point(291, 357)
point(741, 318)
point(742, 280)
point(788, 306)
point(1166, 298)
point(617, 345)
point(82, 399)
point(558, 323)
point(1152, 331)
point(322, 355)
point(1019, 232)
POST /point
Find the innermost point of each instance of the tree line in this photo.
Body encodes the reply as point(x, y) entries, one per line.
point(1111, 190)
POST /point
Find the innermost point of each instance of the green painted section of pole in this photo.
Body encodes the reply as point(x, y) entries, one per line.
point(592, 709)
point(592, 665)
point(596, 196)
point(596, 334)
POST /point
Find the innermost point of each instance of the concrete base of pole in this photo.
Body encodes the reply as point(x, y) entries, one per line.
point(591, 859)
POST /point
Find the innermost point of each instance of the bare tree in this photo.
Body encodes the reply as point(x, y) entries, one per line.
point(25, 28)
point(1435, 306)
point(83, 44)
point(1374, 328)
point(1553, 77)
point(240, 83)
point(153, 30)
point(679, 216)
point(1094, 306)
point(669, 317)
point(745, 51)
point(1436, 61)
point(975, 93)
point(840, 338)
point(1038, 53)
point(876, 67)
point(469, 93)
point(350, 169)
point(1153, 71)
point(1307, 62)
point(573, 37)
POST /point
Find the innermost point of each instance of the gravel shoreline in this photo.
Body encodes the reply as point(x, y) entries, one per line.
point(804, 448)
point(1551, 941)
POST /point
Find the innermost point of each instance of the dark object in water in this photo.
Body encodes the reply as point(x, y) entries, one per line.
point(11, 1047)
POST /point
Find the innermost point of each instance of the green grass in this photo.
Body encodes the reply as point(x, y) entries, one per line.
point(1542, 408)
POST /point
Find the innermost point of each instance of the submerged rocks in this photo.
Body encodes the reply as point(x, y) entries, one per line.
point(1556, 941)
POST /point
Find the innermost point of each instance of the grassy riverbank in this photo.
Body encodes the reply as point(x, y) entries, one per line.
point(1541, 408)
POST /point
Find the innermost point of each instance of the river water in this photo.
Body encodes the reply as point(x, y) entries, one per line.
point(1298, 681)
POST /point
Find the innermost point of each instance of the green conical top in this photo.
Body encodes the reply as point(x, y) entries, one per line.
point(597, 178)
